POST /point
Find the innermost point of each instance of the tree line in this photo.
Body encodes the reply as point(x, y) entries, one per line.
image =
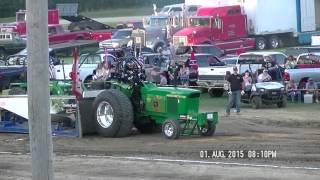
point(9, 7)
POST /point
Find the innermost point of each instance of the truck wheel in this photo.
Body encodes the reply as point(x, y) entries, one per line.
point(171, 129)
point(158, 47)
point(127, 112)
point(17, 91)
point(274, 42)
point(283, 103)
point(3, 54)
point(209, 130)
point(256, 102)
point(261, 43)
point(215, 92)
point(110, 113)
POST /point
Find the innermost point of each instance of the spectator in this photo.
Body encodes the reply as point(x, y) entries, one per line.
point(293, 92)
point(236, 85)
point(264, 77)
point(290, 64)
point(247, 81)
point(102, 71)
point(184, 75)
point(163, 79)
point(311, 88)
point(155, 74)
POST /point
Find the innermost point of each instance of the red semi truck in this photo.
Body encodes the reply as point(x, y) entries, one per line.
point(224, 27)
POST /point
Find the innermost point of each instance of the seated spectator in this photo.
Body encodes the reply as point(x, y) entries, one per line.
point(311, 88)
point(184, 75)
point(290, 64)
point(264, 77)
point(102, 71)
point(293, 92)
point(163, 79)
point(247, 81)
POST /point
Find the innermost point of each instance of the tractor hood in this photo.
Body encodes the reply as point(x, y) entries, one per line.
point(193, 31)
point(269, 85)
point(170, 91)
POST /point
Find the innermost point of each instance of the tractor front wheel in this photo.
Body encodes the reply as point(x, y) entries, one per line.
point(171, 129)
point(208, 130)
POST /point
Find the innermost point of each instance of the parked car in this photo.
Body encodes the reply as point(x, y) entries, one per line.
point(230, 61)
point(211, 74)
point(296, 51)
point(307, 66)
point(10, 44)
point(179, 10)
point(278, 57)
point(119, 39)
point(88, 63)
point(154, 61)
point(201, 49)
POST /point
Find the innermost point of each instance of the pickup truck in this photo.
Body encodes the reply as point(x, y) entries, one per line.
point(10, 74)
point(212, 74)
point(88, 63)
point(10, 44)
point(307, 66)
point(58, 35)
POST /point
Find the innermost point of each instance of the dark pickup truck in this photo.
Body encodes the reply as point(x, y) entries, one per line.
point(10, 44)
point(10, 74)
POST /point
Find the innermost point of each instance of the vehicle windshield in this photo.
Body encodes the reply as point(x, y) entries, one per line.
point(250, 62)
point(309, 59)
point(121, 34)
point(206, 61)
point(21, 17)
point(165, 9)
point(158, 22)
point(203, 21)
point(232, 61)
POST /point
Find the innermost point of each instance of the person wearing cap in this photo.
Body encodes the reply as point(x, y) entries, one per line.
point(264, 76)
point(311, 88)
point(236, 86)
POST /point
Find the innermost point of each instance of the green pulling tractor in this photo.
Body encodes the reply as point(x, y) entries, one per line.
point(112, 108)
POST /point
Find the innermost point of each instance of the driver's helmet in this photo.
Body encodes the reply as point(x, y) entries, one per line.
point(130, 65)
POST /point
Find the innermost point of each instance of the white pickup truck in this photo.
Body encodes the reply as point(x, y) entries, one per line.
point(307, 66)
point(87, 64)
point(212, 73)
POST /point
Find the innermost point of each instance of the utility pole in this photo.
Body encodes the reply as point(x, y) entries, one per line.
point(38, 89)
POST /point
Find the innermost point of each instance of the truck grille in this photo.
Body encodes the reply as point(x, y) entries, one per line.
point(172, 105)
point(211, 77)
point(180, 41)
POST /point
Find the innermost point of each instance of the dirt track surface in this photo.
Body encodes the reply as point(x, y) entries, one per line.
point(294, 134)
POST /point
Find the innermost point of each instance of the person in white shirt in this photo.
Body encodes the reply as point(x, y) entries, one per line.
point(264, 77)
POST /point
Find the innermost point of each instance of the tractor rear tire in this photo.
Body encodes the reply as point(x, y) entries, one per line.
point(17, 91)
point(256, 102)
point(145, 127)
point(171, 129)
point(112, 114)
point(127, 112)
point(208, 131)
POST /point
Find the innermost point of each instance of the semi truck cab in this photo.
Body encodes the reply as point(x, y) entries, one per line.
point(224, 27)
